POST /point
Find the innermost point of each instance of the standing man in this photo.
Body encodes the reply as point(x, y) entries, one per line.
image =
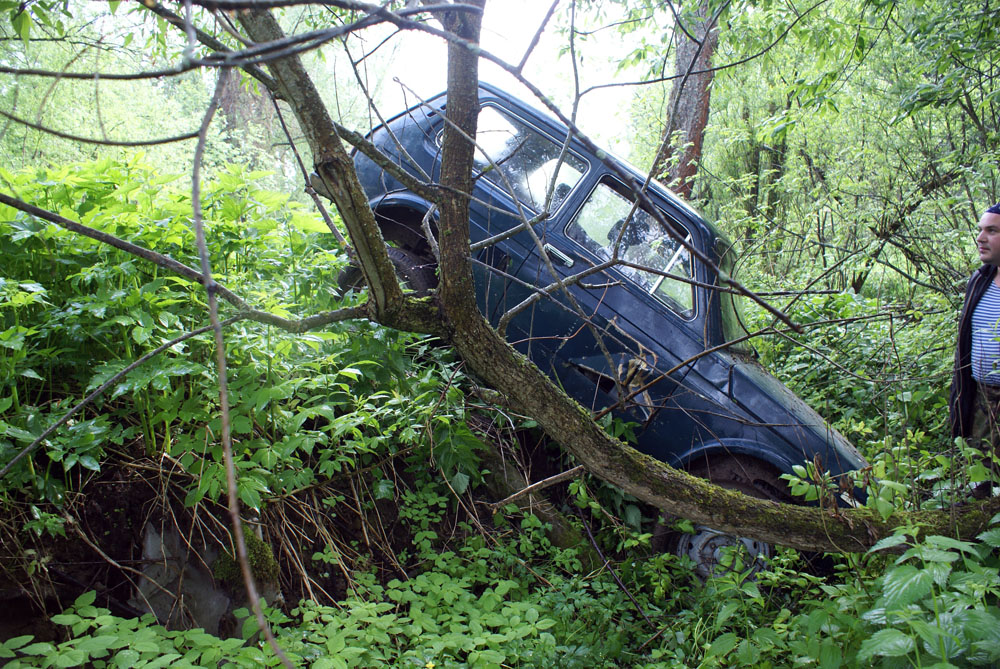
point(975, 387)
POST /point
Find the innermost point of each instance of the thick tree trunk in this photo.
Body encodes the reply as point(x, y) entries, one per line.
point(336, 170)
point(689, 100)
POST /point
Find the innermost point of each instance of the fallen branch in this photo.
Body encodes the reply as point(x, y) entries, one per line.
point(541, 485)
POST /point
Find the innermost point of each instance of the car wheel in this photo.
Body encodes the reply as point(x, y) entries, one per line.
point(416, 273)
point(714, 552)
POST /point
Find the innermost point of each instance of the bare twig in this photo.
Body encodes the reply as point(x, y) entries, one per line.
point(166, 262)
point(541, 485)
point(92, 140)
point(305, 175)
point(220, 350)
point(612, 571)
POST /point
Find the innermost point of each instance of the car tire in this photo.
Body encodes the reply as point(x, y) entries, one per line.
point(416, 274)
point(706, 547)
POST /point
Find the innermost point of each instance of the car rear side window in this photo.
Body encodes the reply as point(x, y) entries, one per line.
point(609, 225)
point(523, 162)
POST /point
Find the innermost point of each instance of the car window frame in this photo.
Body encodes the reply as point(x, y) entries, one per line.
point(662, 300)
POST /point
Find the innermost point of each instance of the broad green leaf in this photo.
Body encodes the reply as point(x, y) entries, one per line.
point(722, 645)
point(942, 640)
point(460, 482)
point(886, 643)
point(65, 619)
point(86, 599)
point(384, 489)
point(42, 648)
point(991, 537)
point(905, 584)
point(126, 658)
point(727, 610)
point(830, 655)
point(16, 642)
point(308, 222)
point(888, 542)
point(22, 25)
point(69, 658)
point(95, 644)
point(949, 543)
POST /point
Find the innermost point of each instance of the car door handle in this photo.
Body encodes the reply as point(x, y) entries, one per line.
point(558, 255)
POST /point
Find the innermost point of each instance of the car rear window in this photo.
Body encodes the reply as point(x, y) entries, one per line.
point(650, 252)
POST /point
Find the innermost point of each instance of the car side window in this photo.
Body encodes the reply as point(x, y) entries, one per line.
point(516, 158)
point(649, 252)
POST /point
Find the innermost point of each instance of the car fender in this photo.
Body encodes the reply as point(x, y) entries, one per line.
point(777, 455)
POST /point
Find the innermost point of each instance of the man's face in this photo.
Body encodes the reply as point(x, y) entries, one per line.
point(988, 239)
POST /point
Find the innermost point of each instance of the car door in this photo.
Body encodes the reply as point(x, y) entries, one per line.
point(521, 172)
point(632, 322)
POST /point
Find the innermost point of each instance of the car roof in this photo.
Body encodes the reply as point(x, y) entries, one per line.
point(552, 125)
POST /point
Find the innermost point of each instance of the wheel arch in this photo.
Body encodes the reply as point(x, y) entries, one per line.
point(765, 453)
point(400, 217)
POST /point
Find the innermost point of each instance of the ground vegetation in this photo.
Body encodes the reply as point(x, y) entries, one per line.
point(363, 439)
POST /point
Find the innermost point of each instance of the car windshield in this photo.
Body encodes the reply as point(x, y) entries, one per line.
point(733, 328)
point(524, 163)
point(610, 225)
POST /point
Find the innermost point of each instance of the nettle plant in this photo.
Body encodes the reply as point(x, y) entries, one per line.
point(80, 312)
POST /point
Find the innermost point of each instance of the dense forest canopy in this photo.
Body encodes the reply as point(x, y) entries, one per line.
point(222, 408)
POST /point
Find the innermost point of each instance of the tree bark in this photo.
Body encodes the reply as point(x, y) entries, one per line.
point(336, 171)
point(689, 100)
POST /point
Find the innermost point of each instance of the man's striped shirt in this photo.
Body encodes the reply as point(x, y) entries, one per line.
point(986, 337)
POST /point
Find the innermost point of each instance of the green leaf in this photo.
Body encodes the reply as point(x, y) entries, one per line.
point(95, 644)
point(724, 614)
point(18, 641)
point(460, 482)
point(887, 643)
point(66, 619)
point(69, 658)
point(127, 658)
point(146, 647)
point(722, 645)
point(22, 25)
point(308, 222)
point(888, 542)
point(830, 655)
point(43, 648)
point(949, 543)
point(86, 599)
point(905, 584)
point(991, 537)
point(385, 489)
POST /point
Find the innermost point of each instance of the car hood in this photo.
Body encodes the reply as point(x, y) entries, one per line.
point(768, 400)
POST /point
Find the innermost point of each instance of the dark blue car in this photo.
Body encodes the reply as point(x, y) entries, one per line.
point(644, 332)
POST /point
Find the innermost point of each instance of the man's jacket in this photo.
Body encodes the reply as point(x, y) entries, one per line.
point(962, 403)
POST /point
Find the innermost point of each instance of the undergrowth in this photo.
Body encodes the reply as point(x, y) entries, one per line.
point(358, 464)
